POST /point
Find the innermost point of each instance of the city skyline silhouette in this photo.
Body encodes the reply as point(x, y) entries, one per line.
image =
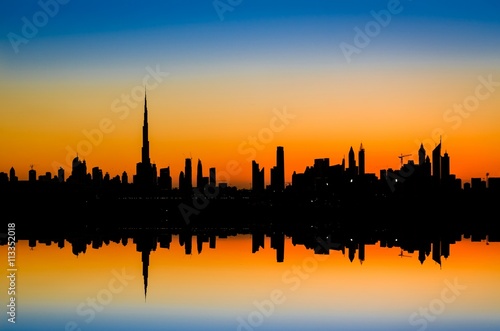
point(147, 173)
point(250, 165)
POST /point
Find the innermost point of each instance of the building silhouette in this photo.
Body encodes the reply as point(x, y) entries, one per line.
point(78, 171)
point(212, 177)
point(201, 181)
point(351, 165)
point(421, 155)
point(278, 171)
point(361, 160)
point(32, 175)
point(60, 175)
point(445, 167)
point(187, 180)
point(146, 173)
point(436, 164)
point(12, 175)
point(257, 178)
point(165, 179)
point(124, 178)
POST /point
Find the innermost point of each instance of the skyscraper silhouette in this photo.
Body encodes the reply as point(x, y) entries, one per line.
point(60, 174)
point(165, 180)
point(436, 163)
point(445, 167)
point(199, 175)
point(257, 178)
point(212, 176)
point(12, 175)
point(188, 174)
point(278, 171)
point(421, 155)
point(351, 167)
point(32, 175)
point(361, 159)
point(145, 171)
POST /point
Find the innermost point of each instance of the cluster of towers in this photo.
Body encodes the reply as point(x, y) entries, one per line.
point(316, 177)
point(277, 174)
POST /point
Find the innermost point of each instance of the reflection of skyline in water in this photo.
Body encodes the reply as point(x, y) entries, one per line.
point(208, 279)
point(351, 244)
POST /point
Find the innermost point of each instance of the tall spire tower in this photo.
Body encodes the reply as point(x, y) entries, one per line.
point(145, 139)
point(146, 175)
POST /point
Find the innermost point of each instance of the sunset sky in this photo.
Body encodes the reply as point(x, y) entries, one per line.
point(387, 74)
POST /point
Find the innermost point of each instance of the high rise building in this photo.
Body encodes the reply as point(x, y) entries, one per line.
point(436, 163)
point(445, 167)
point(188, 174)
point(165, 180)
point(278, 171)
point(146, 174)
point(124, 178)
point(97, 176)
point(421, 155)
point(12, 175)
point(257, 178)
point(60, 174)
point(212, 180)
point(361, 159)
point(351, 166)
point(32, 175)
point(199, 175)
point(78, 171)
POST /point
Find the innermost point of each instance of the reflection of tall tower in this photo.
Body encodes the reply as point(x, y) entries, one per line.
point(145, 270)
point(436, 251)
point(361, 159)
point(145, 244)
point(278, 243)
point(361, 253)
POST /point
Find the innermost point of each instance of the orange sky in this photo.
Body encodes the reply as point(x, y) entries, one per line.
point(214, 120)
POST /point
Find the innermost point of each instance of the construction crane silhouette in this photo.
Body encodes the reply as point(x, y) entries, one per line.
point(402, 157)
point(402, 254)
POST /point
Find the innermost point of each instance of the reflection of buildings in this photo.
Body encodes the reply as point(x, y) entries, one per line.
point(421, 245)
point(145, 244)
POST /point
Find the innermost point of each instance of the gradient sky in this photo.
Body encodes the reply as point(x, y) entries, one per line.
point(230, 70)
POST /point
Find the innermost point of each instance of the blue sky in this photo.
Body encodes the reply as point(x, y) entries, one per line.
point(268, 53)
